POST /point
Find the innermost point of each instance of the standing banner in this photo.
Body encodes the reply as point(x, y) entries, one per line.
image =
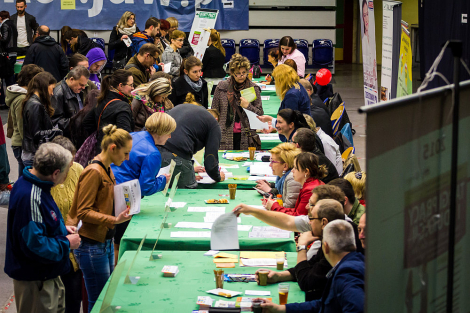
point(204, 20)
point(369, 58)
point(405, 83)
point(409, 144)
point(390, 49)
point(104, 14)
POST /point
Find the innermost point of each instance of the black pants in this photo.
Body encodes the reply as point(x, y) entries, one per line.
point(237, 138)
point(73, 290)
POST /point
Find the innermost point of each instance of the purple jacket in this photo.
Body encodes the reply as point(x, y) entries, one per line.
point(95, 55)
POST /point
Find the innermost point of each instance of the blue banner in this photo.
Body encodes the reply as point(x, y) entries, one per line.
point(105, 14)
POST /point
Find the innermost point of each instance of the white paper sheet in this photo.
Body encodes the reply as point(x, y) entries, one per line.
point(193, 225)
point(265, 98)
point(268, 234)
point(261, 169)
point(260, 155)
point(267, 178)
point(126, 195)
point(231, 155)
point(261, 262)
point(212, 216)
point(255, 123)
point(270, 228)
point(217, 291)
point(206, 179)
point(206, 209)
point(167, 67)
point(164, 170)
point(224, 233)
point(244, 227)
point(229, 166)
point(257, 293)
point(211, 252)
point(177, 204)
point(190, 234)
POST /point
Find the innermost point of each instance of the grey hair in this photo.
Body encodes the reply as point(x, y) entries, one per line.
point(340, 236)
point(51, 157)
point(78, 71)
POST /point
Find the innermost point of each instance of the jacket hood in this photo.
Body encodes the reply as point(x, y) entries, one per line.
point(46, 40)
point(13, 92)
point(95, 55)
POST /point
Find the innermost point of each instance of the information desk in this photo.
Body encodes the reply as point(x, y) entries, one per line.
point(148, 222)
point(156, 293)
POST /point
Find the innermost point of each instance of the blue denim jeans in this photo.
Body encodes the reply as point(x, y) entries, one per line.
point(96, 260)
point(17, 154)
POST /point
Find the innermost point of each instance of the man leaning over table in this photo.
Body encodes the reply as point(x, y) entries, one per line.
point(344, 291)
point(309, 273)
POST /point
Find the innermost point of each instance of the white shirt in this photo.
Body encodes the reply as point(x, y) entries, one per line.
point(22, 35)
point(331, 150)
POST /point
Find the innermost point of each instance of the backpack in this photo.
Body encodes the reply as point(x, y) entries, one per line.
point(256, 71)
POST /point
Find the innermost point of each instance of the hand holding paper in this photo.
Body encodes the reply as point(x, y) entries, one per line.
point(254, 120)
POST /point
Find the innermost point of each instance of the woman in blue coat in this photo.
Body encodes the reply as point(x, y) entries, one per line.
point(145, 161)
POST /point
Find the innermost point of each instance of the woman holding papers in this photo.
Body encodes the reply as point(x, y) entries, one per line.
point(282, 162)
point(93, 205)
point(233, 121)
point(145, 161)
point(308, 173)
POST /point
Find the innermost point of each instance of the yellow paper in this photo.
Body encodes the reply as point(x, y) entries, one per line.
point(226, 260)
point(67, 4)
point(225, 265)
point(259, 255)
point(249, 94)
point(226, 255)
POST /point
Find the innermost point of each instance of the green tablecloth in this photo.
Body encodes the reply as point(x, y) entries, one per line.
point(269, 144)
point(156, 293)
point(271, 106)
point(151, 216)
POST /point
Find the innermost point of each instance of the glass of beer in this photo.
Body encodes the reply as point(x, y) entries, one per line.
point(252, 151)
point(232, 188)
point(263, 277)
point(283, 293)
point(280, 261)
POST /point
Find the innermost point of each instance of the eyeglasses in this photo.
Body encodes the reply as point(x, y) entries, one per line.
point(180, 39)
point(153, 57)
point(272, 161)
point(314, 218)
point(240, 75)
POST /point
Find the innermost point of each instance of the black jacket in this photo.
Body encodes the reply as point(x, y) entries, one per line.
point(48, 54)
point(66, 105)
point(9, 36)
point(181, 89)
point(35, 119)
point(31, 26)
point(186, 51)
point(121, 51)
point(330, 167)
point(324, 91)
point(85, 44)
point(118, 113)
point(320, 114)
point(213, 63)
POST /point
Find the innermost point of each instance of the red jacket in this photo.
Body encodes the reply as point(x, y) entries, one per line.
point(302, 200)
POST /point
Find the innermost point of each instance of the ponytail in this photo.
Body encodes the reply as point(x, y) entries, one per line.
point(191, 99)
point(215, 38)
point(114, 135)
point(113, 81)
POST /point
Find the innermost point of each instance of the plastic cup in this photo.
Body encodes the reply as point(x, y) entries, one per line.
point(219, 279)
point(232, 188)
point(283, 293)
point(250, 76)
point(252, 151)
point(256, 306)
point(280, 261)
point(263, 277)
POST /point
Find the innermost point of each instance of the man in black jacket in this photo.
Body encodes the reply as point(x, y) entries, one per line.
point(68, 97)
point(8, 37)
point(26, 25)
point(318, 109)
point(47, 53)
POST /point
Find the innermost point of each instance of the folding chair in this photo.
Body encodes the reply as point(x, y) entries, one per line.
point(229, 46)
point(250, 48)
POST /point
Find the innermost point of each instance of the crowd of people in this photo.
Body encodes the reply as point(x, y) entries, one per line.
point(76, 134)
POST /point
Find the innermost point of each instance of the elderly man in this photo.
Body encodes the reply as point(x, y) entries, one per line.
point(38, 242)
point(68, 97)
point(344, 291)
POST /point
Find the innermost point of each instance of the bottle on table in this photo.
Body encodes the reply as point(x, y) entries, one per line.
point(279, 199)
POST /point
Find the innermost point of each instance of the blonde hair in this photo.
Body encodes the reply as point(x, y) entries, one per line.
point(123, 20)
point(114, 135)
point(215, 113)
point(311, 122)
point(177, 34)
point(160, 123)
point(157, 87)
point(358, 182)
point(191, 99)
point(215, 38)
point(173, 22)
point(286, 152)
point(237, 62)
point(286, 78)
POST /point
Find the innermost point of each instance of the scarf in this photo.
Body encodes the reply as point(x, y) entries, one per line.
point(280, 182)
point(128, 30)
point(196, 86)
point(126, 97)
point(233, 96)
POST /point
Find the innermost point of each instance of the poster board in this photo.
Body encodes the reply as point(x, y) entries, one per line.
point(405, 81)
point(199, 36)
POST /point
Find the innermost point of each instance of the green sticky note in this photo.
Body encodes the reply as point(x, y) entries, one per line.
point(67, 4)
point(249, 94)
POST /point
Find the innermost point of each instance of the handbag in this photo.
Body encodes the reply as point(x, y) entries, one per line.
point(119, 64)
point(44, 136)
point(88, 149)
point(253, 140)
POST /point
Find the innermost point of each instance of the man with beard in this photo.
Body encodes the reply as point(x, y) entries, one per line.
point(26, 25)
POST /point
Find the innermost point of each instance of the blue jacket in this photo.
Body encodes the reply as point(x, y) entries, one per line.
point(37, 247)
point(143, 164)
point(138, 40)
point(296, 99)
point(344, 291)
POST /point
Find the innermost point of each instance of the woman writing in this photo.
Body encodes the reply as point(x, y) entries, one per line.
point(145, 161)
point(37, 112)
point(236, 131)
point(288, 50)
point(123, 30)
point(282, 162)
point(148, 99)
point(93, 204)
point(114, 105)
point(214, 57)
point(190, 81)
point(171, 53)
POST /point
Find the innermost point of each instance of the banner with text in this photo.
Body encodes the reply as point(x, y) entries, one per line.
point(408, 203)
point(390, 49)
point(104, 14)
point(405, 82)
point(369, 58)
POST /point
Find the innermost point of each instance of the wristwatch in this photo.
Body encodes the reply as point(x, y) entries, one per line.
point(301, 247)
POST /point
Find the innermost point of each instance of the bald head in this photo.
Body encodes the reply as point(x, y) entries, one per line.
point(329, 209)
point(43, 30)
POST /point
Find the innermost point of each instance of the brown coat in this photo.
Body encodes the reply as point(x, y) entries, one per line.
point(93, 203)
point(220, 102)
point(141, 113)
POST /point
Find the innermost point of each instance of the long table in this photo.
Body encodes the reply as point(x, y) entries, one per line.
point(148, 222)
point(156, 293)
